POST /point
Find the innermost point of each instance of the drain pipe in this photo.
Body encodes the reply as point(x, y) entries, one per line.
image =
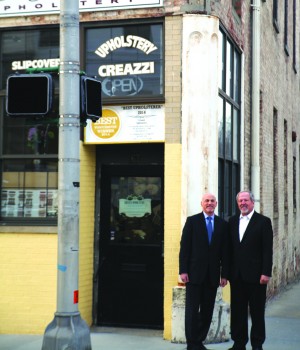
point(255, 139)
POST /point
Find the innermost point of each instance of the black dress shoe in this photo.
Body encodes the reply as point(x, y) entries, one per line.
point(237, 348)
point(257, 348)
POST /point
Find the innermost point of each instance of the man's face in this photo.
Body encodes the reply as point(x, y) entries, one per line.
point(209, 204)
point(245, 203)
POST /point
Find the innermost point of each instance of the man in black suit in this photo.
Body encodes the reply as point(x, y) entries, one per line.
point(251, 251)
point(203, 266)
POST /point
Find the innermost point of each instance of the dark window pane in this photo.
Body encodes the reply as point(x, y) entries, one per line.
point(27, 136)
point(21, 49)
point(235, 135)
point(221, 126)
point(127, 59)
point(227, 190)
point(235, 187)
point(236, 80)
point(221, 187)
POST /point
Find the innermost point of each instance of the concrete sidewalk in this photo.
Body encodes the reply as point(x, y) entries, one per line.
point(282, 321)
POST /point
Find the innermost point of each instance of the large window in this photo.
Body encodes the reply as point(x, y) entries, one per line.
point(29, 146)
point(229, 125)
point(128, 59)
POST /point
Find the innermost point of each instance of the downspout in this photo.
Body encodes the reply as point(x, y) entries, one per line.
point(255, 137)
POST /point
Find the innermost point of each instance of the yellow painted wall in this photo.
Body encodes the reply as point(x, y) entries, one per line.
point(86, 225)
point(28, 265)
point(27, 281)
point(172, 229)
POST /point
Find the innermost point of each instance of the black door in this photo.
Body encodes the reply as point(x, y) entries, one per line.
point(131, 246)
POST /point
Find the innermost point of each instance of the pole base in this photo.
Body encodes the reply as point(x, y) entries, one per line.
point(67, 332)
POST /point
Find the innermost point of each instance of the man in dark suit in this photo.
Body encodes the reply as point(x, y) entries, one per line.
point(251, 251)
point(203, 266)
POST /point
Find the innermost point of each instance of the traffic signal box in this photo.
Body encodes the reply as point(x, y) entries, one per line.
point(32, 95)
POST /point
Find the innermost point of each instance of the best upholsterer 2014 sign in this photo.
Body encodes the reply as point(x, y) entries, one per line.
point(127, 124)
point(11, 8)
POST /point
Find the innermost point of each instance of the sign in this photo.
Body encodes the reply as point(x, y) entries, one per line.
point(31, 203)
point(11, 8)
point(127, 59)
point(127, 124)
point(135, 207)
point(37, 63)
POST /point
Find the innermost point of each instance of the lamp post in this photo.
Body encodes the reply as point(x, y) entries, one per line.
point(68, 330)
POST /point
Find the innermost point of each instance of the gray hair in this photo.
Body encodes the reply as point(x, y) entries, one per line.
point(250, 194)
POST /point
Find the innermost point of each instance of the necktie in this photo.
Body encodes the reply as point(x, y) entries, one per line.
point(209, 228)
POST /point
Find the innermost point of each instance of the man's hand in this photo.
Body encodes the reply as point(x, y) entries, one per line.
point(264, 279)
point(184, 277)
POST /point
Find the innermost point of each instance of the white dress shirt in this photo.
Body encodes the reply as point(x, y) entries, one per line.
point(244, 221)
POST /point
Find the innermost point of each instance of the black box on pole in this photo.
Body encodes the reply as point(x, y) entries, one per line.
point(29, 95)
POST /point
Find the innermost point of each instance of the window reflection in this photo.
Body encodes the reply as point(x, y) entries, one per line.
point(135, 210)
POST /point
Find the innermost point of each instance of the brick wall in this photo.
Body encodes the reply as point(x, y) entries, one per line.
point(27, 281)
point(279, 89)
point(86, 225)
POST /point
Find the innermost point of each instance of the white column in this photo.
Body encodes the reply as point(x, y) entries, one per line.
point(199, 110)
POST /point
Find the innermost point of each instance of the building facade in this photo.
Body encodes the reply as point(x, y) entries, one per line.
point(197, 96)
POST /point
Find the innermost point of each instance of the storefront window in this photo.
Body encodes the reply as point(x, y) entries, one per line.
point(29, 188)
point(29, 146)
point(128, 59)
point(22, 49)
point(29, 136)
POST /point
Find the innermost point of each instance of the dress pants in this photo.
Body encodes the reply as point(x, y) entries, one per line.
point(199, 306)
point(244, 295)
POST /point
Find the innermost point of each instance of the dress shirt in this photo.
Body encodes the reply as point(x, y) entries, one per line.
point(244, 221)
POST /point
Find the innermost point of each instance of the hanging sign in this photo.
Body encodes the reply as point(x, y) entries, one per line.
point(11, 8)
point(127, 124)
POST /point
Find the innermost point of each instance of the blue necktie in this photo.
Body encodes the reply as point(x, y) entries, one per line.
point(209, 228)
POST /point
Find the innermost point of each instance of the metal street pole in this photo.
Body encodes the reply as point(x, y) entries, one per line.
point(68, 330)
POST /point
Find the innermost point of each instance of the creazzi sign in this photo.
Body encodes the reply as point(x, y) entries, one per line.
point(130, 77)
point(11, 8)
point(130, 41)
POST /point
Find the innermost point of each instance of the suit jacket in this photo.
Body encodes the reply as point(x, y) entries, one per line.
point(253, 256)
point(200, 259)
